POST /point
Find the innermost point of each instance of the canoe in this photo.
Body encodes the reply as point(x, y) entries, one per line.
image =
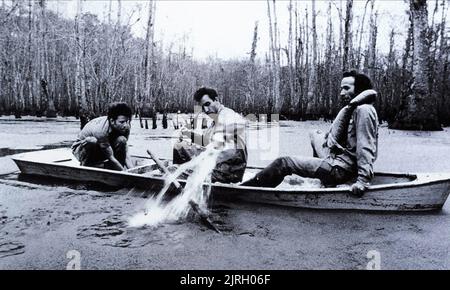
point(388, 192)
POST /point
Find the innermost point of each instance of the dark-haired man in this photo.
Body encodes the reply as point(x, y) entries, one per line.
point(227, 132)
point(103, 141)
point(346, 153)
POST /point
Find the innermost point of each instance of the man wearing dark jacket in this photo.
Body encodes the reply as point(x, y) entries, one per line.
point(346, 153)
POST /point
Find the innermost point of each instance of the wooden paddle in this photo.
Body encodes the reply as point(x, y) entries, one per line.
point(195, 207)
point(163, 169)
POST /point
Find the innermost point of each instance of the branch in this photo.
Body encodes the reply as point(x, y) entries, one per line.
point(338, 10)
point(9, 13)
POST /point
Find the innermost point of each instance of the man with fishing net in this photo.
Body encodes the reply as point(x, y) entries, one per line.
point(346, 153)
point(226, 132)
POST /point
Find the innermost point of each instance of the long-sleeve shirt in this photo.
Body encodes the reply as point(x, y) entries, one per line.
point(360, 151)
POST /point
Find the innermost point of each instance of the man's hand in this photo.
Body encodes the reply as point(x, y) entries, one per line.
point(128, 162)
point(109, 152)
point(185, 132)
point(358, 188)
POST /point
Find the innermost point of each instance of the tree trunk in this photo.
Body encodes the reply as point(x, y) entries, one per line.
point(329, 93)
point(254, 43)
point(251, 80)
point(29, 77)
point(419, 109)
point(371, 55)
point(291, 59)
point(307, 68)
point(312, 96)
point(361, 33)
point(46, 98)
point(80, 78)
point(275, 59)
point(444, 54)
point(347, 60)
point(341, 33)
point(148, 64)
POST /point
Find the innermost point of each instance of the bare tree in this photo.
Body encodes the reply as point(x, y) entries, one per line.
point(361, 33)
point(419, 111)
point(80, 76)
point(330, 96)
point(433, 36)
point(299, 64)
point(348, 36)
point(250, 96)
point(312, 96)
point(290, 58)
point(443, 58)
point(274, 102)
point(372, 49)
point(341, 31)
point(148, 62)
point(45, 97)
point(254, 43)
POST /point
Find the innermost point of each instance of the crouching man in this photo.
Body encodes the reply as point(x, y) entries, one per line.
point(227, 132)
point(103, 141)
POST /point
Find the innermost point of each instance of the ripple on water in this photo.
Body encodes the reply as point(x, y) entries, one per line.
point(11, 248)
point(113, 231)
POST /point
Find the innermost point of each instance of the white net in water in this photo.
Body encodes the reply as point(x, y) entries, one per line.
point(158, 211)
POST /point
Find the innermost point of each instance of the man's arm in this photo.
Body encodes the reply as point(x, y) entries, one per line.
point(116, 164)
point(227, 129)
point(128, 162)
point(366, 125)
point(214, 133)
point(198, 138)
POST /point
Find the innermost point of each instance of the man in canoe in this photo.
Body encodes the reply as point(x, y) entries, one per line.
point(346, 153)
point(227, 131)
point(103, 141)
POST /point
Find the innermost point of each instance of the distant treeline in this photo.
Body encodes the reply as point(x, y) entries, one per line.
point(51, 65)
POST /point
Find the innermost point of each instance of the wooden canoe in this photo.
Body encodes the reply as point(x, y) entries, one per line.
point(388, 192)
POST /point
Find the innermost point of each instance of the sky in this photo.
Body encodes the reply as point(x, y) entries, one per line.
point(224, 28)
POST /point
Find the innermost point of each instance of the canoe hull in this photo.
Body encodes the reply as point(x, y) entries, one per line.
point(426, 192)
point(417, 198)
point(88, 174)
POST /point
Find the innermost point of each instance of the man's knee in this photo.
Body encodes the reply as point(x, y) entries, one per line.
point(86, 150)
point(179, 145)
point(120, 142)
point(184, 152)
point(317, 143)
point(89, 141)
point(283, 162)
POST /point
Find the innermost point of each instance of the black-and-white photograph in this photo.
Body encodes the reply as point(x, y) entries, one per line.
point(224, 135)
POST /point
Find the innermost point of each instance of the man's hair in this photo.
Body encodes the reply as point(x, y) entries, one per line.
point(362, 82)
point(205, 91)
point(119, 109)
